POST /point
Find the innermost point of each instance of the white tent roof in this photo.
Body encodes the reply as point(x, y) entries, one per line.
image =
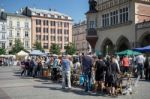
point(22, 53)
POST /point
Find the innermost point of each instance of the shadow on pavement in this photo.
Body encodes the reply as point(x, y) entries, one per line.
point(73, 90)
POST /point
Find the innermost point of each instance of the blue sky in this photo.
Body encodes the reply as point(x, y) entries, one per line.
point(74, 8)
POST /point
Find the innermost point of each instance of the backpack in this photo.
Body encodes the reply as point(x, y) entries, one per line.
point(112, 77)
point(32, 63)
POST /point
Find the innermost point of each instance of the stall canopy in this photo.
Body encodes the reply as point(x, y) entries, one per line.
point(143, 49)
point(128, 52)
point(97, 52)
point(37, 53)
point(22, 53)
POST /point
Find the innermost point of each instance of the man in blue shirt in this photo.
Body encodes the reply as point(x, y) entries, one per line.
point(66, 72)
point(86, 69)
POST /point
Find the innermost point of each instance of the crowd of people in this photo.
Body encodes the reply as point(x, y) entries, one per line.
point(100, 74)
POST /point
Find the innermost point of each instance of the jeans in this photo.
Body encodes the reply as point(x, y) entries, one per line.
point(66, 79)
point(140, 70)
point(87, 81)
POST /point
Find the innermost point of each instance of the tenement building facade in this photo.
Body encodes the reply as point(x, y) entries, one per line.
point(79, 37)
point(18, 27)
point(3, 29)
point(116, 25)
point(49, 27)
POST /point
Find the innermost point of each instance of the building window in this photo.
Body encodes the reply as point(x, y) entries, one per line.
point(26, 34)
point(59, 31)
point(66, 32)
point(10, 23)
point(91, 24)
point(59, 17)
point(18, 24)
point(59, 38)
point(44, 22)
point(46, 30)
point(18, 34)
point(26, 25)
point(45, 15)
point(66, 17)
point(114, 17)
point(52, 38)
point(26, 44)
point(59, 24)
point(66, 39)
point(3, 36)
point(10, 43)
point(38, 37)
point(45, 37)
point(43, 30)
point(10, 33)
point(52, 16)
point(66, 24)
point(38, 29)
point(45, 45)
point(53, 23)
point(124, 15)
point(105, 20)
point(3, 45)
point(3, 27)
point(53, 31)
point(38, 22)
point(47, 22)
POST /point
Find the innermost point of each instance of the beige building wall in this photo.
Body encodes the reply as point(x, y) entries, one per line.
point(62, 42)
point(79, 37)
point(122, 32)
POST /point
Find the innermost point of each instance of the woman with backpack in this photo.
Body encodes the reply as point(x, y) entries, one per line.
point(112, 71)
point(100, 73)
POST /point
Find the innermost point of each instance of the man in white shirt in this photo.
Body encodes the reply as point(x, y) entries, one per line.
point(140, 59)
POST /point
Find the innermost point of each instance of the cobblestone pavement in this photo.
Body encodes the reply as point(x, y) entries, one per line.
point(12, 86)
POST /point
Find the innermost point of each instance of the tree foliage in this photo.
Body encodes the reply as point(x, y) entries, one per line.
point(70, 49)
point(18, 46)
point(38, 46)
point(55, 49)
point(2, 51)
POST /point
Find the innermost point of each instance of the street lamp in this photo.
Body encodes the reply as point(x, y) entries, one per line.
point(106, 49)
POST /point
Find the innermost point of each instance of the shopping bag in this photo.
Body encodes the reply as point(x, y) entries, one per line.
point(81, 79)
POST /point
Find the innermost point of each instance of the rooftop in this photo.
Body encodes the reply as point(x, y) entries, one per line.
point(15, 14)
point(51, 12)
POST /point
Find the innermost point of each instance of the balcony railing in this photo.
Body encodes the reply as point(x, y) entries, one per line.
point(91, 32)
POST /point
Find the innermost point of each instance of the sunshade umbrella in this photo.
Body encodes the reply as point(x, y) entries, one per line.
point(143, 49)
point(128, 52)
point(97, 52)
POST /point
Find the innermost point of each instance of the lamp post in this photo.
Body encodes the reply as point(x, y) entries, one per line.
point(106, 49)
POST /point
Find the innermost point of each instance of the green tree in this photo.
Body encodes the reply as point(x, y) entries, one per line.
point(2, 51)
point(55, 49)
point(70, 49)
point(38, 46)
point(18, 46)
